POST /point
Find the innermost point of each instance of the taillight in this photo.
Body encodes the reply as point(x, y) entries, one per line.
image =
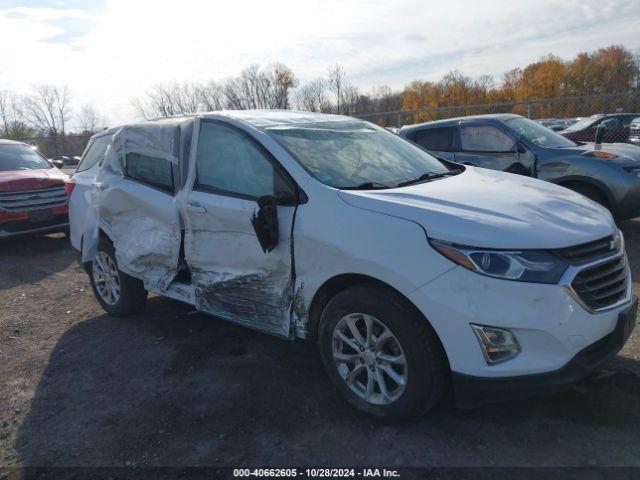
point(69, 186)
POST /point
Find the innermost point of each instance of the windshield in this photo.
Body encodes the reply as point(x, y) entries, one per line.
point(352, 153)
point(21, 157)
point(582, 124)
point(538, 134)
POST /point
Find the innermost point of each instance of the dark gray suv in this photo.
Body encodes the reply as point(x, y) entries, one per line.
point(608, 173)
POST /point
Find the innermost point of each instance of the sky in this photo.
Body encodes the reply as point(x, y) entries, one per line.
point(109, 51)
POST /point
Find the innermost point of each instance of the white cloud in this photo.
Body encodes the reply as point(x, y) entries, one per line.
point(134, 44)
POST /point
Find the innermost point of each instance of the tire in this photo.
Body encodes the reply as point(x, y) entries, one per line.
point(425, 369)
point(129, 298)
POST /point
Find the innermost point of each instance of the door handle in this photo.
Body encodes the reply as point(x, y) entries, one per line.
point(195, 207)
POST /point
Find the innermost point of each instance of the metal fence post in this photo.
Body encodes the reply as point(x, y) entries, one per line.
point(529, 105)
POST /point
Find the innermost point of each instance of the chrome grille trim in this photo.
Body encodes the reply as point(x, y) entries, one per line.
point(26, 200)
point(577, 277)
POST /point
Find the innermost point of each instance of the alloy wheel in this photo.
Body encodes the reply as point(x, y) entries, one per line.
point(369, 358)
point(106, 278)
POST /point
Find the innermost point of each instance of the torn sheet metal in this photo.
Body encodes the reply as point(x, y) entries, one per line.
point(142, 221)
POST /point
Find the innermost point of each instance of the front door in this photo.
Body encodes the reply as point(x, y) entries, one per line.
point(234, 278)
point(486, 145)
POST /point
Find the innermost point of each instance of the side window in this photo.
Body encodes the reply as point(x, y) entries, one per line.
point(95, 153)
point(485, 138)
point(438, 139)
point(228, 161)
point(610, 123)
point(154, 171)
point(626, 121)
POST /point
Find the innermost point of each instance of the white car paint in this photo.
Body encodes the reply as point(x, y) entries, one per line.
point(379, 234)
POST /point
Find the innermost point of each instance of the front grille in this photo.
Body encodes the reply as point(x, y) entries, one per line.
point(602, 285)
point(588, 252)
point(33, 199)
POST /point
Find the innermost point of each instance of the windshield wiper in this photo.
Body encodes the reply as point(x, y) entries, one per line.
point(426, 177)
point(368, 186)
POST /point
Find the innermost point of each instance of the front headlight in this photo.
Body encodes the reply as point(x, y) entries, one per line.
point(633, 171)
point(535, 266)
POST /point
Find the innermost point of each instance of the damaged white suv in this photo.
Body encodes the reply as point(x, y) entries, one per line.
point(410, 272)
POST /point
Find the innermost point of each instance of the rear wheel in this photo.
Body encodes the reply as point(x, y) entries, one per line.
point(119, 294)
point(382, 356)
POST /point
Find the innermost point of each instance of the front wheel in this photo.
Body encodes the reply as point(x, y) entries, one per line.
point(119, 294)
point(383, 357)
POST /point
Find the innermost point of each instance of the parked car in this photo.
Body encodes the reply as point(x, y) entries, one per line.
point(409, 272)
point(33, 197)
point(634, 131)
point(67, 160)
point(616, 124)
point(554, 124)
point(609, 176)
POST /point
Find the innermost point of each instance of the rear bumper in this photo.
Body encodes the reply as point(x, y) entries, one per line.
point(472, 391)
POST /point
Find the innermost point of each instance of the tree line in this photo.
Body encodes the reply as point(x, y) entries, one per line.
point(47, 112)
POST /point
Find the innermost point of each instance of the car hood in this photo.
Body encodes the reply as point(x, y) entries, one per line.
point(487, 208)
point(18, 180)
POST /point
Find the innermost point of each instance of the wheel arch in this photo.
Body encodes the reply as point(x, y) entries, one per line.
point(592, 183)
point(331, 287)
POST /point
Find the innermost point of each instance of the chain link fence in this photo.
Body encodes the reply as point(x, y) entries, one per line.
point(69, 145)
point(559, 114)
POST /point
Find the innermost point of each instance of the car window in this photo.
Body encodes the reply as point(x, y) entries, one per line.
point(485, 138)
point(154, 171)
point(95, 153)
point(437, 139)
point(21, 157)
point(626, 121)
point(537, 134)
point(613, 122)
point(228, 161)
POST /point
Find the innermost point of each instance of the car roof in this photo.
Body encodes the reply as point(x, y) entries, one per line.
point(450, 121)
point(255, 118)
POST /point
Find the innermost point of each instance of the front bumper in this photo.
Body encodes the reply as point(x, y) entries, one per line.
point(16, 224)
point(472, 391)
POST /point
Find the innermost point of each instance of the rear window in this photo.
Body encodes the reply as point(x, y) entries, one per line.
point(21, 157)
point(95, 153)
point(438, 139)
point(154, 171)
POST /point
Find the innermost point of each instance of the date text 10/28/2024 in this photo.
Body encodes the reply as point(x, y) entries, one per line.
point(316, 472)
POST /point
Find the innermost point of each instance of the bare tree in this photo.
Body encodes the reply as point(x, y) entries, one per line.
point(89, 120)
point(337, 86)
point(47, 109)
point(12, 117)
point(313, 96)
point(283, 81)
point(211, 96)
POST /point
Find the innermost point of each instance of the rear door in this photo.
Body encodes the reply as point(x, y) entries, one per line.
point(488, 146)
point(83, 179)
point(232, 275)
point(437, 140)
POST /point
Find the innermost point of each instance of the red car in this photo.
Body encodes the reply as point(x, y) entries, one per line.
point(33, 195)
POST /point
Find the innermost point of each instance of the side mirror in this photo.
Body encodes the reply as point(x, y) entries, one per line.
point(265, 223)
point(57, 163)
point(600, 131)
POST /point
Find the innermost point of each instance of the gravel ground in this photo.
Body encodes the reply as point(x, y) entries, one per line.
point(176, 388)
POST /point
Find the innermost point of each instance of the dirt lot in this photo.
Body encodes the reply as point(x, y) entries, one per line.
point(174, 387)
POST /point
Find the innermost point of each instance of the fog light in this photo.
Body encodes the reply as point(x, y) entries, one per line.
point(497, 344)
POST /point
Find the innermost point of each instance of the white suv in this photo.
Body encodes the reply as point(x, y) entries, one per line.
point(408, 271)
